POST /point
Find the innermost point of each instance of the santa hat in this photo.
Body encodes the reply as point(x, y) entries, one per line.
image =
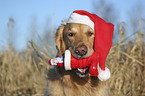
point(103, 32)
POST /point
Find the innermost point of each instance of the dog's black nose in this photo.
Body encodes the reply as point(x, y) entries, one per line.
point(81, 50)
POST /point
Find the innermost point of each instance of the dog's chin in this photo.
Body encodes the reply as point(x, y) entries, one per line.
point(82, 72)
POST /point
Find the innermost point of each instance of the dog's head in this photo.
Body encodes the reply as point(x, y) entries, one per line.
point(78, 36)
point(79, 39)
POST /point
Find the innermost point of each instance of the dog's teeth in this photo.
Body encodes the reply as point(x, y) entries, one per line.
point(82, 69)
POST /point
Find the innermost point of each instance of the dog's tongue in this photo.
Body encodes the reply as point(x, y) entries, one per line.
point(82, 69)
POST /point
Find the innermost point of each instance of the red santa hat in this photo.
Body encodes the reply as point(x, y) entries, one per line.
point(103, 32)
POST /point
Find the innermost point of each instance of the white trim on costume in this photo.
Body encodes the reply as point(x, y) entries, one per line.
point(67, 60)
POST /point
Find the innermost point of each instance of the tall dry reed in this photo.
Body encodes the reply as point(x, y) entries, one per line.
point(20, 74)
point(127, 64)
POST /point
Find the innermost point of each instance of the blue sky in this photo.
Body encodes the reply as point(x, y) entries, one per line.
point(23, 11)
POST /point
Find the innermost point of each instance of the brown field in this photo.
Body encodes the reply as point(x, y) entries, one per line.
point(23, 74)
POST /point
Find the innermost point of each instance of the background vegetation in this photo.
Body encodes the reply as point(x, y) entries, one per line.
point(24, 74)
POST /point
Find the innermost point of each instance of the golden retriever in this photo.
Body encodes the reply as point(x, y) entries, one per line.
point(79, 39)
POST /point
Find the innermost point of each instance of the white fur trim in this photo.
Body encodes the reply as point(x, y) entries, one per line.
point(104, 75)
point(67, 60)
point(82, 19)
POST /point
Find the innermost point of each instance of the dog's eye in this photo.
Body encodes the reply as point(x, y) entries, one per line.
point(71, 34)
point(90, 33)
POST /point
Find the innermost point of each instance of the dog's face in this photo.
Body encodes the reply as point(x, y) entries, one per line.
point(79, 39)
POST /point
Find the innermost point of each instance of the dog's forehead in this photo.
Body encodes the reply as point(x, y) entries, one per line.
point(75, 27)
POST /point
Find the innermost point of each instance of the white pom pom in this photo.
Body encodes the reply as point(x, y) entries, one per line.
point(104, 75)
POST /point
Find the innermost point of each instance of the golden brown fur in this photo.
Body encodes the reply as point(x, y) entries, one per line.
point(68, 83)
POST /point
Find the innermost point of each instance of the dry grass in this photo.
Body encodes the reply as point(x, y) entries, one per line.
point(22, 74)
point(127, 64)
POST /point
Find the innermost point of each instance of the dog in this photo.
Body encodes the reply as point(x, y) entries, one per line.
point(79, 39)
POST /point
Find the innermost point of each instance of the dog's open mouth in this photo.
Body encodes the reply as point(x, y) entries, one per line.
point(82, 72)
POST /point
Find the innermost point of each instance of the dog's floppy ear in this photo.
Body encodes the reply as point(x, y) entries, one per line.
point(60, 45)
